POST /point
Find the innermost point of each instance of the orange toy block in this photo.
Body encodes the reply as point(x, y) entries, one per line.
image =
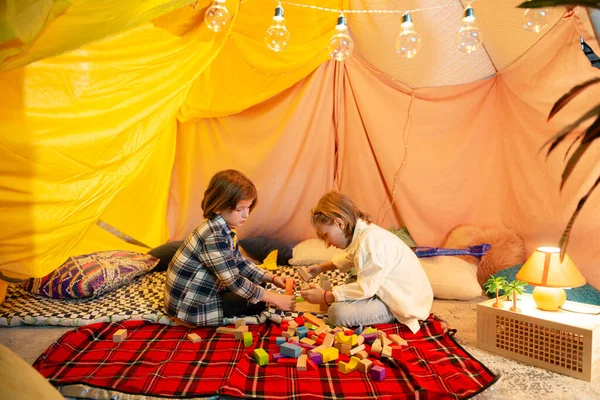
point(240, 322)
point(239, 332)
point(193, 337)
point(290, 286)
point(313, 319)
point(119, 335)
point(346, 368)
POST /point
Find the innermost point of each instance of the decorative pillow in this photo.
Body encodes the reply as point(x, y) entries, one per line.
point(165, 253)
point(313, 251)
point(507, 248)
point(451, 278)
point(91, 275)
point(259, 248)
point(403, 234)
point(584, 294)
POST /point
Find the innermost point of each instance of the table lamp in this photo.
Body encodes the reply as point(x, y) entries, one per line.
point(549, 275)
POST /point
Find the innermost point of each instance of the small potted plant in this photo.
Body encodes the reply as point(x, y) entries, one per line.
point(514, 288)
point(493, 285)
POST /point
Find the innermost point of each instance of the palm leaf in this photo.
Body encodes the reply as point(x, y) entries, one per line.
point(554, 3)
point(556, 140)
point(591, 134)
point(560, 103)
point(564, 240)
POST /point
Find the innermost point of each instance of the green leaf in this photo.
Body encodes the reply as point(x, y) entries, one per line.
point(564, 240)
point(560, 103)
point(591, 134)
point(556, 3)
point(556, 140)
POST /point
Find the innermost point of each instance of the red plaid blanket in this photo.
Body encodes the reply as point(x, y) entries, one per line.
point(159, 360)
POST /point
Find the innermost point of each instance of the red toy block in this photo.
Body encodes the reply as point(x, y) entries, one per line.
point(377, 363)
point(299, 321)
point(287, 361)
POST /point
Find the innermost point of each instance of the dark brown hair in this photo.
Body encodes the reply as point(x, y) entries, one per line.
point(225, 190)
point(337, 205)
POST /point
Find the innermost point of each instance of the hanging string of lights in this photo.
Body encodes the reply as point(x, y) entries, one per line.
point(408, 42)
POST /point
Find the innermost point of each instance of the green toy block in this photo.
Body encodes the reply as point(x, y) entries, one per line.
point(247, 339)
point(261, 356)
point(299, 299)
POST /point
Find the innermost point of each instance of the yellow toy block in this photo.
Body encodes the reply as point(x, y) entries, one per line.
point(349, 340)
point(348, 367)
point(261, 357)
point(247, 339)
point(330, 354)
point(368, 329)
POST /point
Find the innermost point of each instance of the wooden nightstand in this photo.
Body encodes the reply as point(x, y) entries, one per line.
point(560, 341)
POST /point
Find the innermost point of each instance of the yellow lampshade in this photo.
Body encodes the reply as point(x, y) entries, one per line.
point(544, 268)
point(545, 271)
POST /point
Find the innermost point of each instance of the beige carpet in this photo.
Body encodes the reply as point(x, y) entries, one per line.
point(518, 380)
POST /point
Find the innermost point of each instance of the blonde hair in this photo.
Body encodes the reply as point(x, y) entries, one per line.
point(225, 190)
point(337, 205)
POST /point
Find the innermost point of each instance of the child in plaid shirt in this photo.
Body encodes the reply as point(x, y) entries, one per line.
point(208, 278)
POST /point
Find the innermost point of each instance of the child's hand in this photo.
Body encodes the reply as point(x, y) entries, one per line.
point(285, 303)
point(313, 270)
point(279, 281)
point(313, 295)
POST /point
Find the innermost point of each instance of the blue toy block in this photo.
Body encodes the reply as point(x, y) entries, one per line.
point(290, 350)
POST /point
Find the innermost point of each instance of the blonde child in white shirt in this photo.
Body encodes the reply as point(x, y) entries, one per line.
point(390, 284)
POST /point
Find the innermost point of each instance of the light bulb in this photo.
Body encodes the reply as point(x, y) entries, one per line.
point(277, 37)
point(408, 41)
point(216, 16)
point(535, 19)
point(340, 44)
point(468, 37)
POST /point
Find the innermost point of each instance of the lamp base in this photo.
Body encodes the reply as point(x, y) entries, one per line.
point(549, 299)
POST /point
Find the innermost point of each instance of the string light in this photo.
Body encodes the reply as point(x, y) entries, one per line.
point(277, 37)
point(341, 44)
point(216, 16)
point(468, 37)
point(408, 41)
point(535, 19)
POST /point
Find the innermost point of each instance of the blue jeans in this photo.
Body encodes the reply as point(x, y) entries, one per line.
point(360, 312)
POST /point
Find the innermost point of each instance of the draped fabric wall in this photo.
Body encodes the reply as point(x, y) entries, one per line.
point(129, 130)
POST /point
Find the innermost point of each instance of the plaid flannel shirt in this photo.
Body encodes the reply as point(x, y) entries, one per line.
point(208, 263)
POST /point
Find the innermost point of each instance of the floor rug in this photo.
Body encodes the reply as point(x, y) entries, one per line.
point(140, 300)
point(159, 360)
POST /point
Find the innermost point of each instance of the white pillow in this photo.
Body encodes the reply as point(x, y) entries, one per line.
point(312, 251)
point(451, 278)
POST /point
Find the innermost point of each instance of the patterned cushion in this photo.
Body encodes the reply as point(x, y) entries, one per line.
point(91, 275)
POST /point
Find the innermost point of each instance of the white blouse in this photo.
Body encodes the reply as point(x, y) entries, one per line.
point(388, 268)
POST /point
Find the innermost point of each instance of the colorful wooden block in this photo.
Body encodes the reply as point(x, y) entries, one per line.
point(261, 357)
point(240, 322)
point(357, 349)
point(346, 368)
point(316, 358)
point(290, 350)
point(247, 336)
point(239, 332)
point(330, 354)
point(193, 337)
point(365, 365)
point(279, 340)
point(313, 319)
point(226, 330)
point(301, 364)
point(377, 373)
point(290, 286)
point(119, 336)
point(304, 274)
point(398, 340)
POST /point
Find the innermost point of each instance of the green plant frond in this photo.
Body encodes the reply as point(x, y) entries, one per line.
point(573, 160)
point(554, 3)
point(559, 137)
point(560, 103)
point(564, 240)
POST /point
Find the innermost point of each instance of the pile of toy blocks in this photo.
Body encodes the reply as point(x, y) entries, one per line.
point(307, 342)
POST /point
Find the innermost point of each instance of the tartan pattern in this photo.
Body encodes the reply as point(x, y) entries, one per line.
point(158, 360)
point(140, 300)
